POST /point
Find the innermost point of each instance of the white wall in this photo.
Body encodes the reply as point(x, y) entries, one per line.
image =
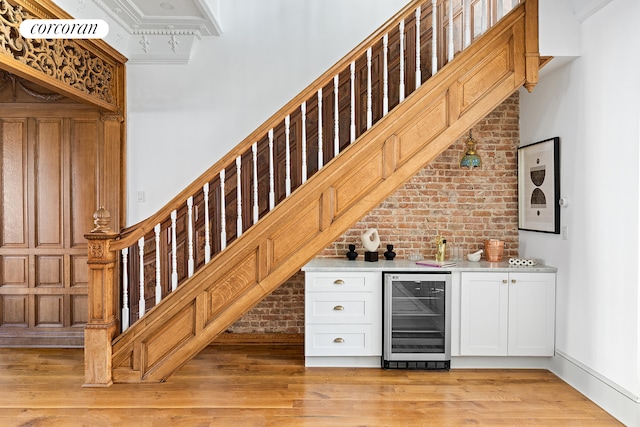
point(182, 118)
point(592, 104)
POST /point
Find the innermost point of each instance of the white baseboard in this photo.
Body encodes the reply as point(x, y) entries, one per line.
point(616, 400)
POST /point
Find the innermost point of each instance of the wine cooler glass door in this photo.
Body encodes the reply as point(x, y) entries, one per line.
point(417, 317)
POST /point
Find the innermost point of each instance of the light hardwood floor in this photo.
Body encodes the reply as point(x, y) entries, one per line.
point(268, 385)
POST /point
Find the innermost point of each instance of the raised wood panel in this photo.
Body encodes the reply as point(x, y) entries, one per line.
point(78, 271)
point(410, 54)
point(15, 271)
point(49, 310)
point(262, 155)
point(199, 234)
point(14, 183)
point(83, 180)
point(49, 271)
point(15, 311)
point(328, 123)
point(174, 332)
point(426, 41)
point(434, 120)
point(486, 74)
point(234, 283)
point(48, 180)
point(393, 66)
point(295, 137)
point(311, 128)
point(79, 310)
point(303, 225)
point(358, 182)
point(344, 109)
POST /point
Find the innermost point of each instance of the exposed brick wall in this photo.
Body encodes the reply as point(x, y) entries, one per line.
point(281, 312)
point(464, 206)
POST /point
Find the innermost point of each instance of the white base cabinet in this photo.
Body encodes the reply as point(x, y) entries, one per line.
point(501, 316)
point(507, 314)
point(343, 318)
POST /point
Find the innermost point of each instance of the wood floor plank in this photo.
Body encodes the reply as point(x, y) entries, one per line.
point(268, 385)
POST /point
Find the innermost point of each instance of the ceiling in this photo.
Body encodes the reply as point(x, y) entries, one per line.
point(163, 16)
point(165, 31)
point(161, 30)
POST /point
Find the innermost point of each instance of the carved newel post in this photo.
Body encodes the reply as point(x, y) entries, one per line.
point(102, 321)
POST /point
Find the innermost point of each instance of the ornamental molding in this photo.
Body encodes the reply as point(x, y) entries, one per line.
point(71, 65)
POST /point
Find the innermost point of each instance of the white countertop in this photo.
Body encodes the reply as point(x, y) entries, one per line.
point(343, 264)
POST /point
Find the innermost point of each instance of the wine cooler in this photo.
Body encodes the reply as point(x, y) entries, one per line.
point(416, 320)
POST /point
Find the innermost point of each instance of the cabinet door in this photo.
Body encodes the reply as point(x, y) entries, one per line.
point(484, 314)
point(531, 314)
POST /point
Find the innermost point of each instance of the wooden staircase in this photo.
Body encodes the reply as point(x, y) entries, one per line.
point(320, 210)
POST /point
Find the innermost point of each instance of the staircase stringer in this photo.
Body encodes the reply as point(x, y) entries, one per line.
point(321, 210)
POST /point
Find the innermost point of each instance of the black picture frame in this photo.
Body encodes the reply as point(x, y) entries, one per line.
point(539, 186)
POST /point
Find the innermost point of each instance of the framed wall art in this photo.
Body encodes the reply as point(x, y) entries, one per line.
point(539, 186)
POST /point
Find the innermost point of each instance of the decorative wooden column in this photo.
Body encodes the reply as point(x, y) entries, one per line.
point(103, 303)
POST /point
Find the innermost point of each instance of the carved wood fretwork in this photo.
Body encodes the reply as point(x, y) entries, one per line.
point(73, 66)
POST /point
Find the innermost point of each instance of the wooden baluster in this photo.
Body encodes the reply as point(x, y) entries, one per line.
point(156, 230)
point(223, 214)
point(320, 158)
point(385, 74)
point(256, 211)
point(369, 97)
point(336, 124)
point(434, 38)
point(401, 84)
point(190, 262)
point(239, 196)
point(125, 289)
point(352, 71)
point(303, 110)
point(141, 302)
point(272, 185)
point(451, 44)
point(207, 226)
point(287, 157)
point(418, 71)
point(174, 250)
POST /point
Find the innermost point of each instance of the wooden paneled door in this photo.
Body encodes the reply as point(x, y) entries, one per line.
point(55, 162)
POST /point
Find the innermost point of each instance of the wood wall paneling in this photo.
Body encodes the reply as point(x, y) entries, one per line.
point(53, 163)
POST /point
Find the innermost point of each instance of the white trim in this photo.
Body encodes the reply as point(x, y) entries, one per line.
point(616, 400)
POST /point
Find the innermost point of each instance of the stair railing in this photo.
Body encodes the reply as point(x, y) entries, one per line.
point(332, 113)
point(157, 255)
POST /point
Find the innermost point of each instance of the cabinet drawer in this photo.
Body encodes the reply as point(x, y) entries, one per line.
point(342, 340)
point(342, 282)
point(342, 307)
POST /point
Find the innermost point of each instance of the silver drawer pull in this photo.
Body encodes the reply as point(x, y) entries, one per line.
point(339, 340)
point(338, 308)
point(338, 282)
point(513, 280)
point(504, 280)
